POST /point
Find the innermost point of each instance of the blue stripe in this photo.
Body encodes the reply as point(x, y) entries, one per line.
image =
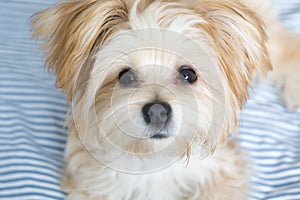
point(22, 164)
point(290, 184)
point(276, 165)
point(41, 110)
point(268, 149)
point(31, 186)
point(51, 150)
point(264, 126)
point(286, 194)
point(43, 136)
point(39, 195)
point(57, 177)
point(58, 160)
point(268, 178)
point(34, 129)
point(27, 123)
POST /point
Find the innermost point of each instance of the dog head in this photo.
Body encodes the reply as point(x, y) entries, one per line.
point(149, 77)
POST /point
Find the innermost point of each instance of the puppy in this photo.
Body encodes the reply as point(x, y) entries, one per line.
point(155, 88)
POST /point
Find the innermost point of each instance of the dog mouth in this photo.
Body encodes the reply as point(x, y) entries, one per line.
point(160, 135)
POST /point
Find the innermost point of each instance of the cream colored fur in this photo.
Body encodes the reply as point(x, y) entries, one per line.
point(110, 154)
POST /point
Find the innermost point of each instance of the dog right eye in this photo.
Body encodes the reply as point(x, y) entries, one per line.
point(187, 74)
point(126, 77)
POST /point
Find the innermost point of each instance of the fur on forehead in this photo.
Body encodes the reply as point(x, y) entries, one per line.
point(73, 31)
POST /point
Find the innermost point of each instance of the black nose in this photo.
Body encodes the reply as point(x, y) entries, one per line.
point(157, 114)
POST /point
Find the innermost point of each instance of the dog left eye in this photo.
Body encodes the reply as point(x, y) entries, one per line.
point(188, 75)
point(126, 77)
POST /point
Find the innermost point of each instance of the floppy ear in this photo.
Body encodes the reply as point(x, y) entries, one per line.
point(71, 30)
point(239, 41)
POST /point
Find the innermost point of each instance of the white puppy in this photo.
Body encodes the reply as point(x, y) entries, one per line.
point(155, 87)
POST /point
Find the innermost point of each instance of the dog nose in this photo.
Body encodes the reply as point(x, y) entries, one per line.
point(157, 114)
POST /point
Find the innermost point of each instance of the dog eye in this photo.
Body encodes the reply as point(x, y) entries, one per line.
point(126, 77)
point(187, 74)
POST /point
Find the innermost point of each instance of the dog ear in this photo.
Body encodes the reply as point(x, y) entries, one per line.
point(238, 39)
point(71, 30)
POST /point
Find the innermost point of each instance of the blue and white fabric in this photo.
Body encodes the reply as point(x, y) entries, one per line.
point(32, 111)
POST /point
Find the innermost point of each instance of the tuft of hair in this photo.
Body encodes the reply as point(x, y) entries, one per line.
point(239, 39)
point(71, 30)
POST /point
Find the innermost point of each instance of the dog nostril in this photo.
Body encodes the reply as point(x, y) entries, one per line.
point(157, 114)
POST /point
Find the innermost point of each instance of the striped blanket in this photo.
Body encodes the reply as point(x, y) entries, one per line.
point(32, 111)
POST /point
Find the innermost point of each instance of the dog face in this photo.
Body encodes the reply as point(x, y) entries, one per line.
point(152, 78)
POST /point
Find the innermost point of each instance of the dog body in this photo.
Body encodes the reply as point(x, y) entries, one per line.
point(220, 176)
point(155, 87)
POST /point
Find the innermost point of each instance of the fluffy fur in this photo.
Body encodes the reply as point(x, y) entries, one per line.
point(110, 153)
